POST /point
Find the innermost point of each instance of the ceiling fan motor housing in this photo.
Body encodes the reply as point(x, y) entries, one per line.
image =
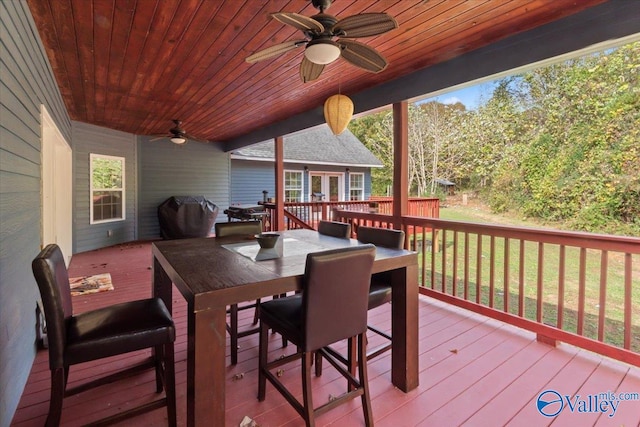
point(321, 4)
point(327, 21)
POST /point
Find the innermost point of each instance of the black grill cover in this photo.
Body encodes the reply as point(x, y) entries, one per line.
point(182, 217)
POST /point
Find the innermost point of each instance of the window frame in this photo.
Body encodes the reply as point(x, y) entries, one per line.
point(92, 190)
point(352, 188)
point(287, 188)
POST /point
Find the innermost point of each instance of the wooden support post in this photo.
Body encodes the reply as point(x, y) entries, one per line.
point(278, 222)
point(400, 161)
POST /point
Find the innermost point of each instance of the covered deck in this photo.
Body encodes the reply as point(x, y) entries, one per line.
point(474, 370)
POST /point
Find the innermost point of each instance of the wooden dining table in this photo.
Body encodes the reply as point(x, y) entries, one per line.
point(212, 273)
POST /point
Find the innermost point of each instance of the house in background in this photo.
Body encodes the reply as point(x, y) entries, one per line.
point(318, 166)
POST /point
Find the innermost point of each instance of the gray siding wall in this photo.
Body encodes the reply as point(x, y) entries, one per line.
point(89, 139)
point(26, 82)
point(166, 170)
point(249, 178)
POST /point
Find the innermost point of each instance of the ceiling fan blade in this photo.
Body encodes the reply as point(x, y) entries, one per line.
point(310, 71)
point(274, 50)
point(364, 25)
point(193, 138)
point(362, 56)
point(301, 22)
point(159, 137)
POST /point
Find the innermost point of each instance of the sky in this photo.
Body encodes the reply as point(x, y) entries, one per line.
point(471, 96)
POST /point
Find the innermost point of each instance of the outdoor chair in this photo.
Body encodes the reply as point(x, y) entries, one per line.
point(335, 229)
point(379, 291)
point(332, 307)
point(380, 288)
point(239, 228)
point(104, 332)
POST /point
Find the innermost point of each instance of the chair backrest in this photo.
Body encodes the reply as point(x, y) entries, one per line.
point(51, 275)
point(238, 228)
point(336, 294)
point(385, 237)
point(335, 229)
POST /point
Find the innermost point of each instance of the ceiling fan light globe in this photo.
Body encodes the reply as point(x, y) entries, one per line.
point(324, 52)
point(178, 140)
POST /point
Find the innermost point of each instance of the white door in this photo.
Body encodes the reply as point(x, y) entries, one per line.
point(330, 184)
point(56, 187)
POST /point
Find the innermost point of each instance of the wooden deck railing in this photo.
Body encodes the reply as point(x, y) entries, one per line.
point(579, 288)
point(297, 214)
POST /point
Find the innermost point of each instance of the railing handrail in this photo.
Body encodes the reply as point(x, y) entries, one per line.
point(307, 214)
point(578, 239)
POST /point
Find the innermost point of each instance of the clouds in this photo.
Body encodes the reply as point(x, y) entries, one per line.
point(452, 100)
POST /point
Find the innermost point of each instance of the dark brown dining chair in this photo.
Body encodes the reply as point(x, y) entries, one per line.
point(332, 307)
point(335, 229)
point(379, 292)
point(239, 228)
point(104, 332)
point(380, 288)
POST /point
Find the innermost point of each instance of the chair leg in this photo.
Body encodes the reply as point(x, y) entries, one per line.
point(170, 383)
point(58, 377)
point(256, 313)
point(233, 333)
point(262, 360)
point(158, 356)
point(364, 380)
point(351, 359)
point(307, 399)
point(318, 361)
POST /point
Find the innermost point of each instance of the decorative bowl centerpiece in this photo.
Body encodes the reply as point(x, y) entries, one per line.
point(267, 240)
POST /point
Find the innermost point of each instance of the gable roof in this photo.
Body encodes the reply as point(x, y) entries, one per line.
point(314, 146)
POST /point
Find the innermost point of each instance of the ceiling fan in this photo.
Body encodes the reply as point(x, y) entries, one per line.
point(177, 135)
point(320, 46)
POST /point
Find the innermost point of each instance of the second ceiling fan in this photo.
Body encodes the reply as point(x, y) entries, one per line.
point(320, 46)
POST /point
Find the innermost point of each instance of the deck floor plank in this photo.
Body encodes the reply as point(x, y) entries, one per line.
point(474, 371)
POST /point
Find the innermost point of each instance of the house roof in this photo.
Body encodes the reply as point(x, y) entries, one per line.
point(314, 146)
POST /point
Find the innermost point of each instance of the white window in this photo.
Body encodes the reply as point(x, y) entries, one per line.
point(356, 186)
point(106, 188)
point(292, 186)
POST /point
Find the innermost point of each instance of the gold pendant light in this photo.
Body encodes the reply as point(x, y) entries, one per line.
point(338, 110)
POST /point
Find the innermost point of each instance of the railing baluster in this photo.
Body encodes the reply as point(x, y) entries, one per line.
point(604, 267)
point(627, 301)
point(454, 275)
point(540, 281)
point(433, 253)
point(521, 280)
point(478, 267)
point(466, 266)
point(561, 280)
point(444, 260)
point(507, 276)
point(581, 290)
point(424, 256)
point(492, 270)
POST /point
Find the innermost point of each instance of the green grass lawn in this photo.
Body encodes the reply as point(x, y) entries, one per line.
point(480, 273)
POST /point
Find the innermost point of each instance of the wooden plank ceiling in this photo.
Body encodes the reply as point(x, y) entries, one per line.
point(134, 65)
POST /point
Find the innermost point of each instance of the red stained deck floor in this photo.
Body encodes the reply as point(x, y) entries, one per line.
point(474, 371)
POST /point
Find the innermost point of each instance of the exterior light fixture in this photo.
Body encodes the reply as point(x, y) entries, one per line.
point(338, 110)
point(178, 140)
point(322, 51)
